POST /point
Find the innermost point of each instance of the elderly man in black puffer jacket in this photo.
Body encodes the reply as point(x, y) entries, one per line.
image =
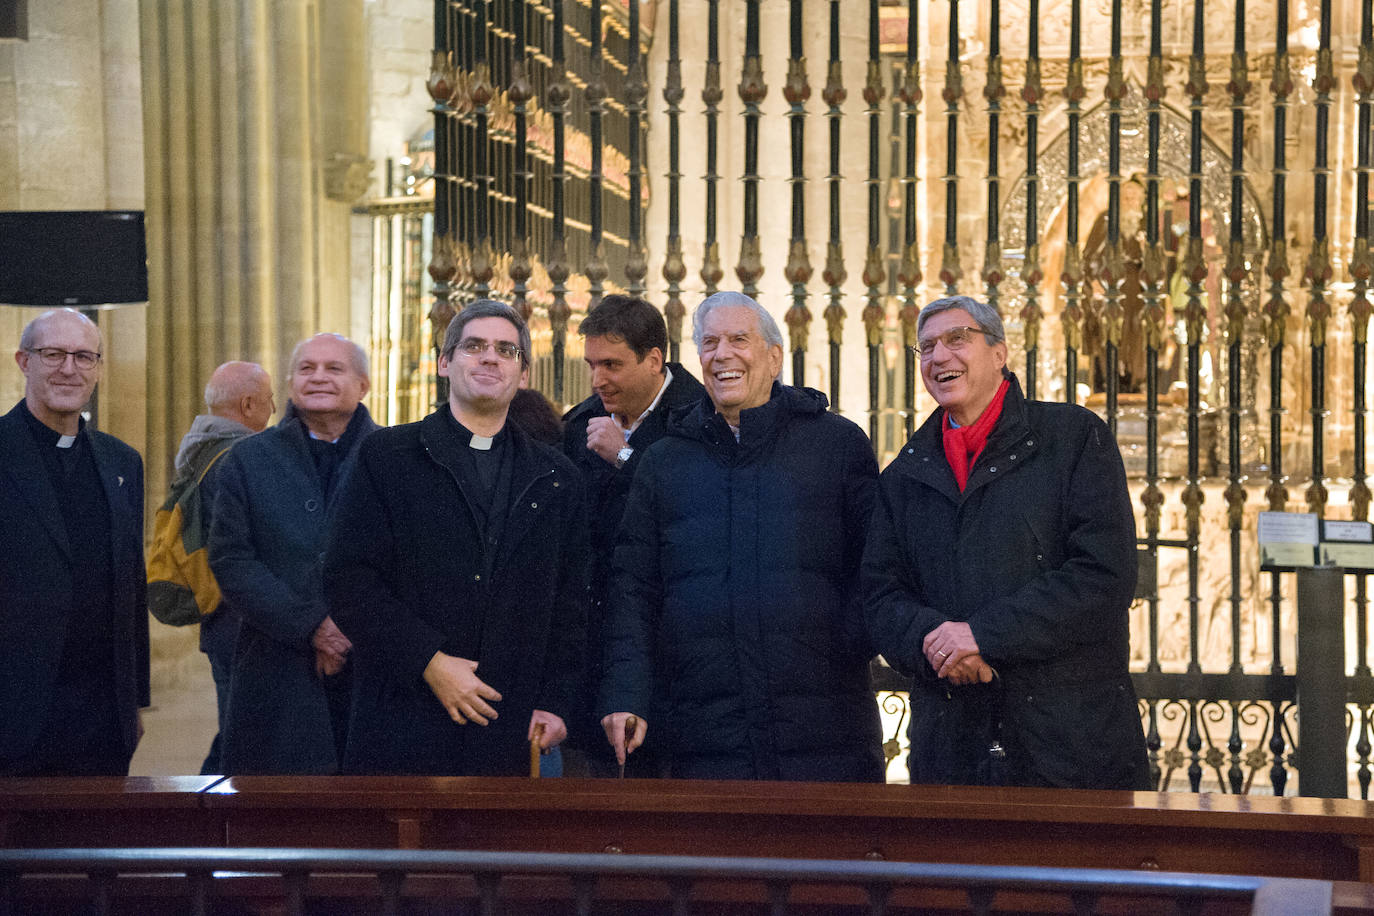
point(739, 560)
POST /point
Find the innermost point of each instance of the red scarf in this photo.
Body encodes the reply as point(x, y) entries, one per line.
point(963, 444)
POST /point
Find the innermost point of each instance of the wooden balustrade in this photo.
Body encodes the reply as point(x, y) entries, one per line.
point(1329, 839)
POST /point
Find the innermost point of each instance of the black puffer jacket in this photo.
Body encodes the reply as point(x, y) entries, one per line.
point(741, 559)
point(1038, 556)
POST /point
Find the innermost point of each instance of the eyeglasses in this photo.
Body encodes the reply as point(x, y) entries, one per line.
point(476, 346)
point(53, 357)
point(953, 339)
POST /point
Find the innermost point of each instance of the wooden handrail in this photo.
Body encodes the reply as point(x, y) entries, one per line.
point(1326, 839)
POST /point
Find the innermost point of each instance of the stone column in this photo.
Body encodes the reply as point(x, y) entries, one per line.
point(254, 119)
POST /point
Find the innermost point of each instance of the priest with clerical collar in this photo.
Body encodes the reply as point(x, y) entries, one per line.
point(73, 618)
point(457, 567)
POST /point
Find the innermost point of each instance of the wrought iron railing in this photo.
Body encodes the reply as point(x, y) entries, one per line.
point(1146, 194)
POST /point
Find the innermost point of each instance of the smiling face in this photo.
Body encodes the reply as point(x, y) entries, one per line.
point(56, 394)
point(625, 383)
point(963, 380)
point(738, 365)
point(485, 382)
point(325, 384)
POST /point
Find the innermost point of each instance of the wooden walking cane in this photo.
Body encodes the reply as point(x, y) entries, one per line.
point(535, 750)
point(631, 723)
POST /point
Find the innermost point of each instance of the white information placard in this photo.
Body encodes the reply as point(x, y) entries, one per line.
point(1348, 544)
point(1288, 539)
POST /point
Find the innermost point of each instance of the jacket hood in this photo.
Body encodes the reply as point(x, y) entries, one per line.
point(206, 428)
point(699, 421)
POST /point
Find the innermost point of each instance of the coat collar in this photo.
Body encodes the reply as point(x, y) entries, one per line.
point(758, 426)
point(684, 389)
point(923, 456)
point(293, 431)
point(19, 458)
point(529, 462)
point(437, 438)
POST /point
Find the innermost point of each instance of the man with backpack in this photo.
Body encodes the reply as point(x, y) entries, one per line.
point(239, 402)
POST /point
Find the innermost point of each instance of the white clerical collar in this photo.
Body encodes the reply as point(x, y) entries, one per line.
point(66, 441)
point(481, 443)
point(667, 380)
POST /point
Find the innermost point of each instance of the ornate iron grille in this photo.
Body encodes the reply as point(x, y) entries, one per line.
point(1167, 201)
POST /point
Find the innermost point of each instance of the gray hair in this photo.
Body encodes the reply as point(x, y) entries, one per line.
point(232, 381)
point(28, 336)
point(357, 356)
point(984, 315)
point(726, 298)
point(486, 308)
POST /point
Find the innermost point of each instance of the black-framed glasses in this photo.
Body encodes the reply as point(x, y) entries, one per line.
point(476, 346)
point(53, 357)
point(953, 339)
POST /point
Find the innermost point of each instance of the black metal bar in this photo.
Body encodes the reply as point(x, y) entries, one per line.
point(1360, 308)
point(595, 93)
point(1195, 316)
point(1114, 272)
point(636, 92)
point(834, 273)
point(389, 884)
point(1318, 272)
point(798, 270)
point(520, 92)
point(481, 92)
point(874, 275)
point(1072, 273)
point(994, 91)
point(1235, 273)
point(752, 92)
point(1152, 320)
point(674, 266)
point(711, 95)
point(950, 270)
point(558, 95)
point(1276, 312)
point(1032, 93)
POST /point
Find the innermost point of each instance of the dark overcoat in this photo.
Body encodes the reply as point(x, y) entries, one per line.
point(742, 560)
point(608, 487)
point(1037, 555)
point(267, 537)
point(408, 574)
point(38, 575)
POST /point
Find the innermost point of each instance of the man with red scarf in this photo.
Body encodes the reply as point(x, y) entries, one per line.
point(999, 568)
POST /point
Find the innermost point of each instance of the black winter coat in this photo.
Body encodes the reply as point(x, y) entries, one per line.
point(1038, 556)
point(608, 487)
point(267, 535)
point(742, 561)
point(408, 574)
point(39, 574)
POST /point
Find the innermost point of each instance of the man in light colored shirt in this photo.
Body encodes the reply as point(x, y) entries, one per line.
point(634, 391)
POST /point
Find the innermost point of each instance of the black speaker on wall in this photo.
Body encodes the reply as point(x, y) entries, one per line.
point(80, 258)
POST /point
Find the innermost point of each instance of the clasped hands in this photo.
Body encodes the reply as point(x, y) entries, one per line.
point(331, 648)
point(467, 698)
point(953, 653)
